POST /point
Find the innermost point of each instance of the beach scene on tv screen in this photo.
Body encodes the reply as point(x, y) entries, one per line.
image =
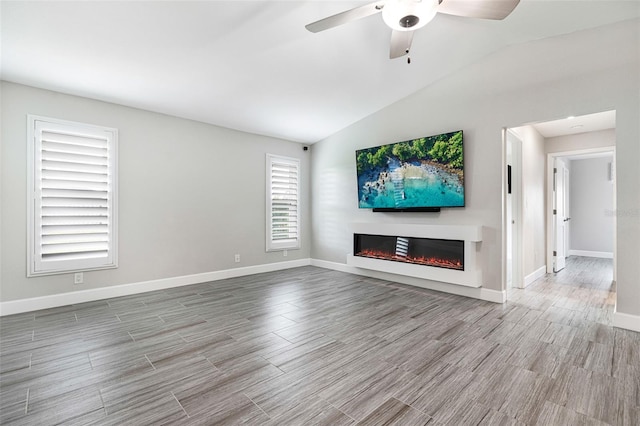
point(424, 172)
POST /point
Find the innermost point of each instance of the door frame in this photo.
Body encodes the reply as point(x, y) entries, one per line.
point(551, 157)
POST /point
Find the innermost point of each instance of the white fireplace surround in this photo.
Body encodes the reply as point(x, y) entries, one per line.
point(470, 234)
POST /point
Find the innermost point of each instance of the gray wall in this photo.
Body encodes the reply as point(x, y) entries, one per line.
point(591, 205)
point(191, 194)
point(517, 85)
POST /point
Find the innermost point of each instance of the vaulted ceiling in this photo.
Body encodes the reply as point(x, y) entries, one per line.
point(251, 65)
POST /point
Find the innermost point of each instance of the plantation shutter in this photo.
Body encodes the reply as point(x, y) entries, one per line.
point(283, 204)
point(74, 204)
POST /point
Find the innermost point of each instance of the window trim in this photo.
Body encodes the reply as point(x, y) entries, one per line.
point(33, 172)
point(289, 244)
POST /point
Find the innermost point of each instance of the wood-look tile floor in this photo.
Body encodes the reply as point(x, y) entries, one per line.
point(315, 346)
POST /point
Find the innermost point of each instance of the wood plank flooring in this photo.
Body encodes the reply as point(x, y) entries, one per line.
point(315, 346)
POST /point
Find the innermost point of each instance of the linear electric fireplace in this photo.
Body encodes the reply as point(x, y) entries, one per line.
point(444, 253)
point(439, 253)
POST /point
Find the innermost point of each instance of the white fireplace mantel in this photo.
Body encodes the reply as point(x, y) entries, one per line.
point(470, 234)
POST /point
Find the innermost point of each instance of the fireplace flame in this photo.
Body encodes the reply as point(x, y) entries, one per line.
point(428, 261)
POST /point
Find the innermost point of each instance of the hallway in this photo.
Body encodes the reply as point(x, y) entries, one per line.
point(583, 289)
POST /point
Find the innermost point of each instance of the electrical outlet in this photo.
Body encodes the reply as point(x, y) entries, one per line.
point(78, 278)
point(237, 258)
point(284, 253)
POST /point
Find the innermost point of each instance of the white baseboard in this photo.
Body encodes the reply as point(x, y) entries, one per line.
point(90, 295)
point(342, 267)
point(489, 295)
point(626, 321)
point(538, 273)
point(587, 253)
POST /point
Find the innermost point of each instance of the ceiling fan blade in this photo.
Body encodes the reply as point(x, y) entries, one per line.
point(483, 9)
point(400, 43)
point(345, 17)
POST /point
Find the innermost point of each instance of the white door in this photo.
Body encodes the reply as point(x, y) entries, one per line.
point(560, 216)
point(514, 274)
point(510, 219)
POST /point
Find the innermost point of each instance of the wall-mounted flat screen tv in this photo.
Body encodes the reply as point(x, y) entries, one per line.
point(416, 175)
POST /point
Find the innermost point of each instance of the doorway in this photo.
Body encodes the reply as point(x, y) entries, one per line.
point(544, 247)
point(566, 237)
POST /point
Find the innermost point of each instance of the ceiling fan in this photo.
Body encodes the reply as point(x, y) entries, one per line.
point(406, 16)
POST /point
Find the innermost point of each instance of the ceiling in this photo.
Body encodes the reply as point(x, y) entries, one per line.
point(251, 65)
point(574, 125)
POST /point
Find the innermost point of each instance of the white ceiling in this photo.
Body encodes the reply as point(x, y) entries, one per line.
point(574, 125)
point(251, 65)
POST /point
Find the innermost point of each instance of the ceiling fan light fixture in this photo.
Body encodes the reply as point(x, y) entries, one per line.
point(409, 15)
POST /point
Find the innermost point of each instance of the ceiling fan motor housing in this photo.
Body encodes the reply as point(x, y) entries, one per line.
point(409, 21)
point(409, 15)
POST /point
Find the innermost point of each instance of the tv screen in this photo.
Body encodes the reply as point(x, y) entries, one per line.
point(417, 174)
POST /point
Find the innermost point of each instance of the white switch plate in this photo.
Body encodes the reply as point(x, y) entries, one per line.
point(78, 278)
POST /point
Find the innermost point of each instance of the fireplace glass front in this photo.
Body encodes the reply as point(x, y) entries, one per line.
point(420, 251)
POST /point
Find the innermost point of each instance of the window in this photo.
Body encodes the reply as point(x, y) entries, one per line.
point(72, 196)
point(283, 203)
